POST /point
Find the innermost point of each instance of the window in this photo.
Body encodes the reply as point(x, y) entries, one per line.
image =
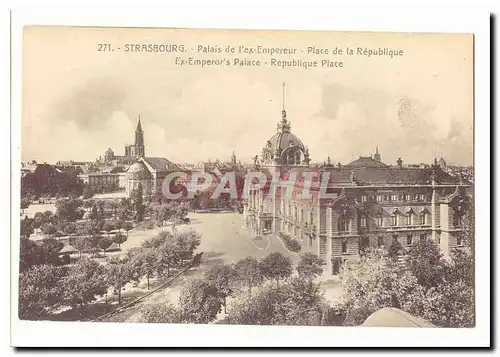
point(363, 222)
point(409, 239)
point(407, 197)
point(387, 197)
point(457, 220)
point(342, 224)
point(344, 246)
point(423, 237)
point(364, 198)
point(415, 197)
point(438, 239)
point(379, 198)
point(295, 212)
point(459, 240)
point(424, 218)
point(380, 241)
point(394, 220)
point(408, 219)
point(380, 221)
point(423, 197)
point(311, 218)
point(395, 238)
point(394, 198)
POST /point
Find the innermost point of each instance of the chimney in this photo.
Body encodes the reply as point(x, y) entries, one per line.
point(400, 162)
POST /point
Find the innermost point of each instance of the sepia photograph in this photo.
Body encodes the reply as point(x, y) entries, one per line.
point(246, 177)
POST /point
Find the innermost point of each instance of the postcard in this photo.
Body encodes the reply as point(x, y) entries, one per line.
point(174, 176)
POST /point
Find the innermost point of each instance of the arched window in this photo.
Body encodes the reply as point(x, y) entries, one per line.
point(410, 218)
point(394, 219)
point(423, 218)
point(342, 223)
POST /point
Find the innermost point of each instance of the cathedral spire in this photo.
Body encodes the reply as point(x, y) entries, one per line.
point(377, 157)
point(139, 126)
point(139, 148)
point(233, 158)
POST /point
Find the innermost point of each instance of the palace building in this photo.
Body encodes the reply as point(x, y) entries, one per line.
point(366, 203)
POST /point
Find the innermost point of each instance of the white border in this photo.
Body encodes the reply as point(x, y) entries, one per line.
point(421, 18)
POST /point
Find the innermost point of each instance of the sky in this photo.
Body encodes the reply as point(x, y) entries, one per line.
point(78, 101)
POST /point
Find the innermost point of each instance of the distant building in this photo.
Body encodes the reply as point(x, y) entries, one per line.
point(149, 173)
point(101, 182)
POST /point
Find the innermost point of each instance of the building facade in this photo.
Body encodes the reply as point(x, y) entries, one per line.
point(365, 203)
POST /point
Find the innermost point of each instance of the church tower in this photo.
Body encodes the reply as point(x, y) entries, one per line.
point(233, 159)
point(139, 140)
point(376, 157)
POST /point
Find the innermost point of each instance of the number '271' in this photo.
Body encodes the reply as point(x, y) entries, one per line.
point(104, 47)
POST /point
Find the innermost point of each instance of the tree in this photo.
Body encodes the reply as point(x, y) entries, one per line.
point(169, 253)
point(186, 242)
point(395, 250)
point(87, 192)
point(25, 203)
point(30, 254)
point(118, 273)
point(85, 281)
point(124, 209)
point(80, 243)
point(160, 313)
point(100, 225)
point(158, 240)
point(372, 283)
point(199, 302)
point(49, 229)
point(446, 305)
point(276, 266)
point(93, 242)
point(138, 204)
point(309, 266)
point(40, 290)
point(105, 243)
point(296, 302)
point(119, 239)
point(223, 278)
point(51, 248)
point(69, 228)
point(27, 227)
point(127, 226)
point(142, 262)
point(69, 209)
point(426, 263)
point(108, 227)
point(468, 232)
point(249, 272)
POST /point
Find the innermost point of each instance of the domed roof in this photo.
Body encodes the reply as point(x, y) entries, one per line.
point(393, 317)
point(109, 153)
point(284, 140)
point(277, 147)
point(138, 171)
